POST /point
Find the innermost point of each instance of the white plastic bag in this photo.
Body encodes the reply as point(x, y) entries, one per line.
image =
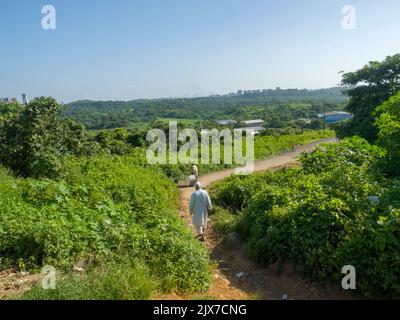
point(190, 180)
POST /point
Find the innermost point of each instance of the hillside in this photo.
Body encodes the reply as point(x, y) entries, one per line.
point(112, 114)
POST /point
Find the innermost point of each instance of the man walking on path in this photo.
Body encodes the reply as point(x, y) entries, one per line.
point(199, 206)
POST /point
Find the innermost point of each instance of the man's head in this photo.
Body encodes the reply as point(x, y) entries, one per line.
point(197, 185)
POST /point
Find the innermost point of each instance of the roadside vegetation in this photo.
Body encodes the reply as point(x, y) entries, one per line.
point(68, 198)
point(341, 206)
point(64, 199)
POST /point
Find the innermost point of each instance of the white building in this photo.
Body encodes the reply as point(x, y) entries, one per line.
point(252, 123)
point(256, 125)
point(226, 122)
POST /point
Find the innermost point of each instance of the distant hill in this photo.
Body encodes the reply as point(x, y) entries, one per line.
point(111, 114)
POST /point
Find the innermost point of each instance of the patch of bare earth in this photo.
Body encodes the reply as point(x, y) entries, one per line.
point(14, 283)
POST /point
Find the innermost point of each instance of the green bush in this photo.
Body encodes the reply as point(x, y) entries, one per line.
point(104, 206)
point(223, 221)
point(388, 122)
point(324, 216)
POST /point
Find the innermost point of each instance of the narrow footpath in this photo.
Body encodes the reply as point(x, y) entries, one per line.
point(235, 274)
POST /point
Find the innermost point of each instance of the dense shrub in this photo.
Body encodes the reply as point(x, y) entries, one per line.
point(72, 195)
point(388, 122)
point(105, 206)
point(324, 216)
point(115, 141)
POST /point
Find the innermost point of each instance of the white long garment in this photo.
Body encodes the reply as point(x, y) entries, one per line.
point(199, 205)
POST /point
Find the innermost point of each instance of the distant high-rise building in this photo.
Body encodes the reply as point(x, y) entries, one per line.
point(25, 100)
point(239, 92)
point(14, 100)
point(4, 100)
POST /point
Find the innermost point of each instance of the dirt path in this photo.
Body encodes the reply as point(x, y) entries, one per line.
point(236, 275)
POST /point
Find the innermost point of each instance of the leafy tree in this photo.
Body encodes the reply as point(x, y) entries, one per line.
point(115, 141)
point(138, 138)
point(388, 123)
point(8, 111)
point(368, 88)
point(35, 140)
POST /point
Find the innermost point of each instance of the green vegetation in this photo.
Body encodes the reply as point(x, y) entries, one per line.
point(368, 88)
point(66, 196)
point(281, 107)
point(112, 281)
point(184, 122)
point(264, 146)
point(34, 139)
point(341, 206)
point(268, 145)
point(103, 207)
point(388, 123)
point(322, 216)
point(122, 141)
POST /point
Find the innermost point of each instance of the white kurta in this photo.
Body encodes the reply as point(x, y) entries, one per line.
point(199, 205)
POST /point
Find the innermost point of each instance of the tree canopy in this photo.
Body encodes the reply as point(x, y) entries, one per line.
point(388, 124)
point(34, 138)
point(367, 88)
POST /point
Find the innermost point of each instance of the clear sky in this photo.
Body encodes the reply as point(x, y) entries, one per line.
point(128, 49)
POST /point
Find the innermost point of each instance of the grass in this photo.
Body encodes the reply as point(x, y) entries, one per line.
point(114, 281)
point(223, 221)
point(266, 146)
point(184, 121)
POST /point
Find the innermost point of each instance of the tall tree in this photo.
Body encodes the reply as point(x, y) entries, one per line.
point(367, 88)
point(35, 140)
point(388, 123)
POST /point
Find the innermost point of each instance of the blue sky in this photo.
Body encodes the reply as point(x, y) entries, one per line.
point(128, 49)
